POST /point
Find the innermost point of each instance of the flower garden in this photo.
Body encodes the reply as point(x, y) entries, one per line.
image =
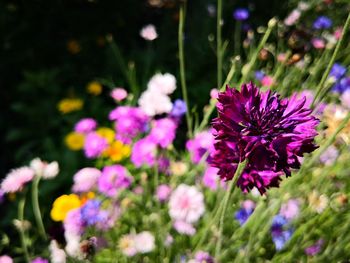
point(227, 145)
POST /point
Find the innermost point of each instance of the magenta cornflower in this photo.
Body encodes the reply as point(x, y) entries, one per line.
point(144, 153)
point(270, 132)
point(85, 125)
point(112, 179)
point(200, 145)
point(163, 132)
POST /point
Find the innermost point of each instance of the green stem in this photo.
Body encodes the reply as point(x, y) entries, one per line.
point(182, 66)
point(320, 86)
point(36, 207)
point(237, 38)
point(248, 67)
point(232, 183)
point(21, 206)
point(219, 52)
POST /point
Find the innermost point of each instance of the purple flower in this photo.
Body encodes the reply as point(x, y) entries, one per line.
point(39, 260)
point(163, 192)
point(163, 132)
point(85, 125)
point(280, 231)
point(211, 178)
point(179, 108)
point(129, 122)
point(342, 85)
point(322, 22)
point(200, 145)
point(91, 212)
point(112, 179)
point(245, 212)
point(94, 145)
point(144, 152)
point(203, 257)
point(315, 248)
point(270, 132)
point(259, 75)
point(290, 210)
point(241, 14)
point(337, 71)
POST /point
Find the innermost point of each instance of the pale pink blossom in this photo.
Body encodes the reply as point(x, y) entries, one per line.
point(163, 192)
point(57, 254)
point(267, 81)
point(119, 94)
point(184, 228)
point(16, 179)
point(162, 83)
point(44, 169)
point(144, 242)
point(338, 33)
point(85, 179)
point(153, 103)
point(127, 245)
point(292, 18)
point(149, 32)
point(318, 43)
point(345, 99)
point(5, 259)
point(290, 210)
point(214, 93)
point(186, 204)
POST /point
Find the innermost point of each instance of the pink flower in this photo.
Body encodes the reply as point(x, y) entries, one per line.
point(318, 43)
point(162, 83)
point(163, 132)
point(338, 33)
point(184, 228)
point(73, 223)
point(5, 259)
point(281, 57)
point(119, 94)
point(292, 18)
point(94, 145)
point(16, 179)
point(186, 204)
point(85, 125)
point(163, 192)
point(267, 81)
point(202, 143)
point(211, 178)
point(345, 99)
point(112, 179)
point(290, 210)
point(144, 152)
point(214, 93)
point(85, 179)
point(144, 242)
point(149, 33)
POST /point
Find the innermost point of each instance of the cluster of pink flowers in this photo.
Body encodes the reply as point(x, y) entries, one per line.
point(201, 144)
point(113, 179)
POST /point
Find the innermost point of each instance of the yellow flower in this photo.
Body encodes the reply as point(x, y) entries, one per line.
point(117, 151)
point(62, 205)
point(75, 141)
point(68, 105)
point(94, 88)
point(87, 196)
point(73, 46)
point(106, 133)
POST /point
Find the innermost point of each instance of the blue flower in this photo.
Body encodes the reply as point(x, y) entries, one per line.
point(179, 108)
point(259, 75)
point(322, 22)
point(338, 71)
point(280, 231)
point(241, 14)
point(342, 85)
point(91, 213)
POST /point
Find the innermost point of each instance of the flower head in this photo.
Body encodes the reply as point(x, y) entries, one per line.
point(162, 83)
point(91, 212)
point(315, 248)
point(75, 141)
point(94, 145)
point(85, 125)
point(337, 71)
point(94, 88)
point(163, 132)
point(201, 144)
point(119, 94)
point(16, 179)
point(280, 231)
point(322, 22)
point(44, 169)
point(149, 32)
point(153, 102)
point(211, 178)
point(245, 212)
point(144, 242)
point(85, 179)
point(179, 108)
point(186, 204)
point(69, 105)
point(112, 179)
point(6, 259)
point(241, 14)
point(144, 152)
point(39, 260)
point(270, 132)
point(62, 205)
point(290, 210)
point(163, 192)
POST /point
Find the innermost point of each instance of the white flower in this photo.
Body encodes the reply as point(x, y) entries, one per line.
point(57, 254)
point(186, 204)
point(162, 83)
point(44, 169)
point(153, 103)
point(144, 242)
point(73, 244)
point(149, 32)
point(127, 245)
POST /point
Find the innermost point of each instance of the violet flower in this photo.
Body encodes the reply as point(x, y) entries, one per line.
point(270, 132)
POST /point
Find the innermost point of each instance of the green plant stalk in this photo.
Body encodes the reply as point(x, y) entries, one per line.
point(213, 102)
point(21, 205)
point(182, 67)
point(36, 207)
point(219, 52)
point(232, 183)
point(320, 86)
point(248, 67)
